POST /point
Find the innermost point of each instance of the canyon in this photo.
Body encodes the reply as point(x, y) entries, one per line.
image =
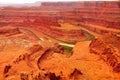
point(102, 14)
point(60, 41)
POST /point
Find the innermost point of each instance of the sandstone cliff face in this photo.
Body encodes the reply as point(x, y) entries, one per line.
point(107, 47)
point(46, 21)
point(86, 4)
point(9, 31)
point(96, 16)
point(103, 14)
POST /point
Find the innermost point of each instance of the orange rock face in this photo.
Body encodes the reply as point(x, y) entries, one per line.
point(46, 21)
point(108, 49)
point(9, 31)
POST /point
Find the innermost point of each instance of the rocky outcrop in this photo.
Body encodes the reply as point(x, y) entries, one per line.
point(46, 21)
point(99, 29)
point(102, 22)
point(108, 49)
point(6, 70)
point(58, 48)
point(7, 31)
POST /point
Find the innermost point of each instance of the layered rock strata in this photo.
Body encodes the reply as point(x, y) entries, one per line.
point(108, 49)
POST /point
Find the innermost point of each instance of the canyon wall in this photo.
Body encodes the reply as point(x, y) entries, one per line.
point(84, 4)
point(107, 50)
point(101, 13)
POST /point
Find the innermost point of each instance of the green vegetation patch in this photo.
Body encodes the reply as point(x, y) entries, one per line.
point(89, 36)
point(68, 50)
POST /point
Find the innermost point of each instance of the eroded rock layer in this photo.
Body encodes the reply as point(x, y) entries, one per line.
point(108, 48)
point(100, 17)
point(25, 57)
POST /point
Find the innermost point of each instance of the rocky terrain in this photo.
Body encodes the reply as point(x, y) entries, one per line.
point(60, 41)
point(99, 17)
point(108, 50)
point(25, 57)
